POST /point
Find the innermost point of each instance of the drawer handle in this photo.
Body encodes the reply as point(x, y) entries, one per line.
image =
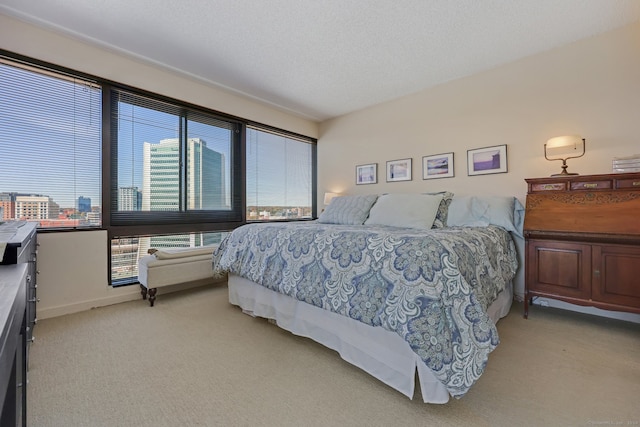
point(548, 187)
point(590, 185)
point(635, 184)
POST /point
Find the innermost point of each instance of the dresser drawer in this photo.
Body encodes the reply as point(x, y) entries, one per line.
point(592, 185)
point(628, 184)
point(548, 186)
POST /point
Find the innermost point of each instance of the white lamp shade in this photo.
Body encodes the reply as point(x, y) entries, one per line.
point(328, 197)
point(564, 141)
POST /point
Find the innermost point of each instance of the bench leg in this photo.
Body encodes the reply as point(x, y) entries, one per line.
point(152, 296)
point(143, 291)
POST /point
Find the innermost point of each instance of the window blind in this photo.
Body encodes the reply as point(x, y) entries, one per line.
point(50, 145)
point(279, 176)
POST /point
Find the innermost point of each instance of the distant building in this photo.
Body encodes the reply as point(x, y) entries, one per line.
point(94, 218)
point(35, 207)
point(129, 199)
point(8, 205)
point(84, 204)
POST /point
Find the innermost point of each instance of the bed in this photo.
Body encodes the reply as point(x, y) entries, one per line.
point(390, 282)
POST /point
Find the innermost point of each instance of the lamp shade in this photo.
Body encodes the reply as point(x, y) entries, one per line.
point(564, 141)
point(328, 197)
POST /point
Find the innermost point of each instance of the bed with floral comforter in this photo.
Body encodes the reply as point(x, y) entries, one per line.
point(431, 287)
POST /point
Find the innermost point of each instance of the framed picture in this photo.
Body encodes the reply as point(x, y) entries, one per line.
point(367, 174)
point(437, 166)
point(399, 170)
point(483, 161)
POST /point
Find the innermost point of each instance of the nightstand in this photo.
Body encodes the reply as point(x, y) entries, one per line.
point(582, 240)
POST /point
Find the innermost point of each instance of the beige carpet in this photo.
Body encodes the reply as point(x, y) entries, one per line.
point(195, 360)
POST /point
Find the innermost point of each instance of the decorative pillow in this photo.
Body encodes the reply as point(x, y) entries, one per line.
point(405, 210)
point(443, 209)
point(171, 253)
point(348, 210)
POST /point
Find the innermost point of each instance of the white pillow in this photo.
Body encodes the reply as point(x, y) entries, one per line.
point(480, 211)
point(468, 211)
point(405, 210)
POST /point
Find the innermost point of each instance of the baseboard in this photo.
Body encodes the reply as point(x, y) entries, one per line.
point(76, 307)
point(61, 310)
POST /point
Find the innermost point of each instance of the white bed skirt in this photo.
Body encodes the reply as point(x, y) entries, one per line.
point(381, 353)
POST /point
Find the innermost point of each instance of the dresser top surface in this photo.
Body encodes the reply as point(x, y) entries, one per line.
point(572, 178)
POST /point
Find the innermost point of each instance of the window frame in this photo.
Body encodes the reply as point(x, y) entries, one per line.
point(164, 222)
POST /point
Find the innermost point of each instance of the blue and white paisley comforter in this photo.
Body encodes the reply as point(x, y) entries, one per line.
point(431, 287)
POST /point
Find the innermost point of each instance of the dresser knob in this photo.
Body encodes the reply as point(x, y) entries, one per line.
point(596, 273)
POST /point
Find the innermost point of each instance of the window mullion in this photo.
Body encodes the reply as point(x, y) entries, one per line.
point(182, 167)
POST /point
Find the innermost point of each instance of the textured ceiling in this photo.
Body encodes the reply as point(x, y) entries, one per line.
point(322, 59)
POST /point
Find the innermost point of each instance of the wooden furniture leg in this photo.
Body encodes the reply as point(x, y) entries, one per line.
point(143, 291)
point(152, 296)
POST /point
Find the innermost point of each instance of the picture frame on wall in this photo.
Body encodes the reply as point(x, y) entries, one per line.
point(437, 166)
point(367, 174)
point(399, 170)
point(487, 160)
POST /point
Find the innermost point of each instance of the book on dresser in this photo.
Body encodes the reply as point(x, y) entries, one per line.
point(582, 235)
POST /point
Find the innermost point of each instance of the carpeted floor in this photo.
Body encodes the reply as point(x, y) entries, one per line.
point(195, 360)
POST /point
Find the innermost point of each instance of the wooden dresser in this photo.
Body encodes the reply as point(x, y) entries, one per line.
point(582, 236)
point(23, 248)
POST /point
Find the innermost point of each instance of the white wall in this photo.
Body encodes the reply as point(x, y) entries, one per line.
point(590, 88)
point(73, 266)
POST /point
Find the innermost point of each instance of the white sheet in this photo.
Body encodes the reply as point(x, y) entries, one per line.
point(381, 353)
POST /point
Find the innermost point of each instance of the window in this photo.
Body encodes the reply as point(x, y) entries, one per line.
point(50, 140)
point(175, 178)
point(171, 164)
point(280, 176)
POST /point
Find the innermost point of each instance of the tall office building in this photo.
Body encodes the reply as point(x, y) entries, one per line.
point(205, 186)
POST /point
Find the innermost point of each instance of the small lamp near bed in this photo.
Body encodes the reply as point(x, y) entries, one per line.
point(328, 197)
point(560, 148)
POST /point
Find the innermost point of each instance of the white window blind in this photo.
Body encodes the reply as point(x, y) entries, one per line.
point(50, 145)
point(279, 176)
